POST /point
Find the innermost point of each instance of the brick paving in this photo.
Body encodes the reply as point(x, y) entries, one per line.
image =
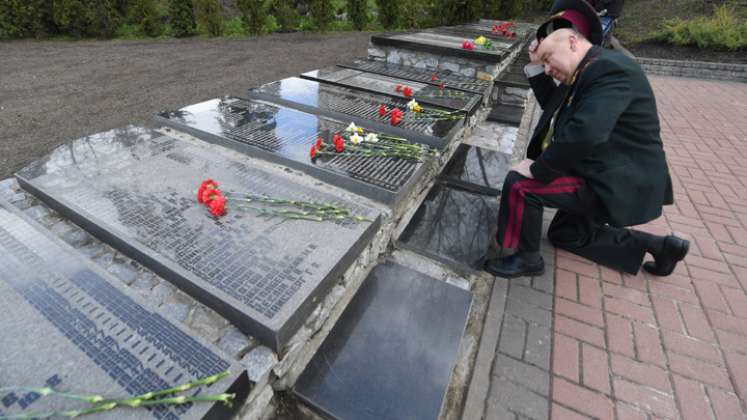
point(642, 347)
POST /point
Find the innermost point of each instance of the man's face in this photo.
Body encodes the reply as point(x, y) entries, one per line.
point(558, 57)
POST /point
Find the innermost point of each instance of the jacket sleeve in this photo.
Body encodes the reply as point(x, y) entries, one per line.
point(543, 87)
point(603, 93)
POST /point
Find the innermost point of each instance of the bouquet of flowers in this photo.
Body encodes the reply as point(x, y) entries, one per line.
point(355, 141)
point(266, 206)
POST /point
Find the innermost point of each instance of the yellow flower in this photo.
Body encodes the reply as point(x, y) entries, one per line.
point(480, 40)
point(417, 108)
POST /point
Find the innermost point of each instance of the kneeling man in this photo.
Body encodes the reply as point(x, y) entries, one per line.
point(596, 156)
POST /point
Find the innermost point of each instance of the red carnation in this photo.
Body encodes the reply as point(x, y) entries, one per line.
point(319, 143)
point(398, 88)
point(397, 115)
point(211, 194)
point(340, 145)
point(434, 77)
point(206, 184)
point(407, 92)
point(313, 152)
point(382, 111)
point(218, 206)
point(468, 45)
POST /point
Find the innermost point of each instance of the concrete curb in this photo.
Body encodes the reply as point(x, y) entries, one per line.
point(694, 69)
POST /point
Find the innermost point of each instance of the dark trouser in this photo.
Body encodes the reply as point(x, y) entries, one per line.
point(578, 227)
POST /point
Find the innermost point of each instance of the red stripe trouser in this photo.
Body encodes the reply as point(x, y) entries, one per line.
point(578, 227)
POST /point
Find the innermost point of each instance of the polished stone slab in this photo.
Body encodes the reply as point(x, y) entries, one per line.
point(423, 75)
point(453, 226)
point(506, 113)
point(477, 169)
point(470, 33)
point(391, 354)
point(522, 29)
point(447, 45)
point(285, 135)
point(355, 105)
point(72, 326)
point(135, 189)
point(423, 93)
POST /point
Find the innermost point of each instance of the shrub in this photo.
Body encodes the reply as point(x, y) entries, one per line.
point(723, 30)
point(86, 17)
point(322, 13)
point(458, 11)
point(209, 15)
point(358, 13)
point(253, 15)
point(145, 14)
point(512, 8)
point(182, 18)
point(388, 13)
point(414, 14)
point(285, 14)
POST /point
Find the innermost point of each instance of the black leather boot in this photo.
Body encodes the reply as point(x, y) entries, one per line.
point(516, 265)
point(672, 251)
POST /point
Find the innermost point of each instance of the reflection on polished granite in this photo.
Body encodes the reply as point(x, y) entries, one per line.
point(136, 190)
point(442, 44)
point(286, 135)
point(391, 354)
point(454, 226)
point(358, 105)
point(451, 79)
point(424, 93)
point(475, 165)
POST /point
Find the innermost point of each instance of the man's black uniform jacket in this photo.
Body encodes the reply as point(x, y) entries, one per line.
point(606, 132)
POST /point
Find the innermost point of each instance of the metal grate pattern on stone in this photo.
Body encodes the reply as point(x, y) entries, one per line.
point(370, 110)
point(410, 73)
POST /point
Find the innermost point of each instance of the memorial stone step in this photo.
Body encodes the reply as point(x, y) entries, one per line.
point(358, 106)
point(443, 45)
point(392, 353)
point(424, 74)
point(69, 325)
point(285, 135)
point(423, 93)
point(136, 190)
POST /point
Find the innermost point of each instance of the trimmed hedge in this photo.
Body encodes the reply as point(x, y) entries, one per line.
point(253, 15)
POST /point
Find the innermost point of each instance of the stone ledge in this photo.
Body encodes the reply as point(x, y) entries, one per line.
point(695, 69)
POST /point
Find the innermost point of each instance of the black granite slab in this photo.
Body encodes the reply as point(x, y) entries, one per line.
point(506, 113)
point(136, 190)
point(477, 169)
point(470, 33)
point(522, 29)
point(447, 45)
point(358, 106)
point(453, 226)
point(450, 79)
point(391, 354)
point(72, 326)
point(423, 93)
point(284, 135)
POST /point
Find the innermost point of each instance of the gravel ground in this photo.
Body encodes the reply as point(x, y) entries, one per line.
point(51, 92)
